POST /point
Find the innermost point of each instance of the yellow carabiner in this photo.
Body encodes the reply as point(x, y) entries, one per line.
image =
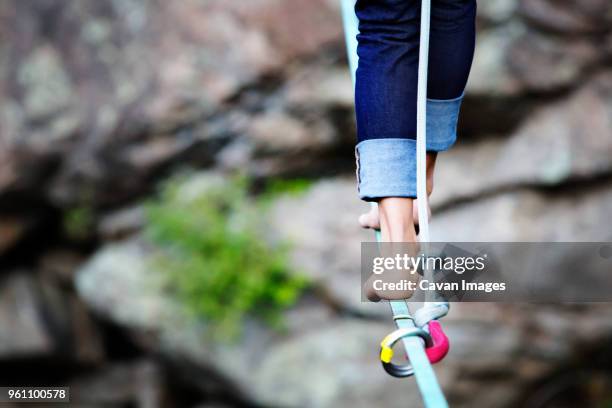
point(386, 352)
point(386, 349)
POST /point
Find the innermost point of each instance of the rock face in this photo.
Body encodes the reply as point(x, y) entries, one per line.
point(97, 90)
point(561, 142)
point(326, 240)
point(18, 298)
point(37, 322)
point(326, 358)
point(101, 99)
point(137, 383)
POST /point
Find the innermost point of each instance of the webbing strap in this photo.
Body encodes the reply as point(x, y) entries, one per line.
point(431, 392)
point(434, 306)
point(426, 379)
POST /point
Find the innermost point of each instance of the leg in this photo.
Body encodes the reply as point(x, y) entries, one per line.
point(451, 47)
point(451, 50)
point(385, 97)
point(452, 41)
point(385, 100)
point(386, 78)
point(371, 219)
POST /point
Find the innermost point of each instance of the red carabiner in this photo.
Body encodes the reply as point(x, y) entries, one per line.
point(440, 346)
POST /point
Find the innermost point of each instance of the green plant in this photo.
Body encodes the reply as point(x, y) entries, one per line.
point(287, 186)
point(278, 187)
point(214, 257)
point(78, 221)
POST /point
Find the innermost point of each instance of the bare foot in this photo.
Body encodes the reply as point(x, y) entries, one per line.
point(371, 219)
point(397, 226)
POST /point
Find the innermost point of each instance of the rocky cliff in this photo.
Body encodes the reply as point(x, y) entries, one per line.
point(102, 100)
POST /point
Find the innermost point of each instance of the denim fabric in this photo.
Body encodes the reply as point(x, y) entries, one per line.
point(384, 170)
point(387, 167)
point(441, 123)
point(386, 86)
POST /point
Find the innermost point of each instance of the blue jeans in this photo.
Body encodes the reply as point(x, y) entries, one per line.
point(386, 87)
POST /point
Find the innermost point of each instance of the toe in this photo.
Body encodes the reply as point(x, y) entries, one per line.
point(370, 219)
point(370, 293)
point(364, 221)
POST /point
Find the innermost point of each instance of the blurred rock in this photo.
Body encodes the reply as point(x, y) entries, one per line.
point(144, 95)
point(130, 298)
point(318, 88)
point(120, 283)
point(154, 153)
point(23, 331)
point(497, 11)
point(7, 167)
point(491, 75)
point(524, 215)
point(122, 223)
point(100, 100)
point(92, 89)
point(86, 343)
point(46, 87)
point(503, 344)
point(75, 336)
point(544, 63)
point(326, 239)
point(332, 367)
point(137, 384)
point(117, 282)
point(561, 142)
point(511, 60)
point(277, 133)
point(11, 230)
point(37, 320)
point(579, 17)
point(60, 265)
point(284, 22)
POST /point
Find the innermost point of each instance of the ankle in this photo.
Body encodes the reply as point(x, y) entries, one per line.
point(398, 233)
point(431, 166)
point(396, 219)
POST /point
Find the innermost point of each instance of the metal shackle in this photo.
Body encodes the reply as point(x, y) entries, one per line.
point(386, 350)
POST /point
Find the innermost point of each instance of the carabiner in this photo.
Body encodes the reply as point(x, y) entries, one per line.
point(386, 350)
point(439, 349)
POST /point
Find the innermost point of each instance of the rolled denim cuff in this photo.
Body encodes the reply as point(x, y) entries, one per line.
point(386, 168)
point(442, 116)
